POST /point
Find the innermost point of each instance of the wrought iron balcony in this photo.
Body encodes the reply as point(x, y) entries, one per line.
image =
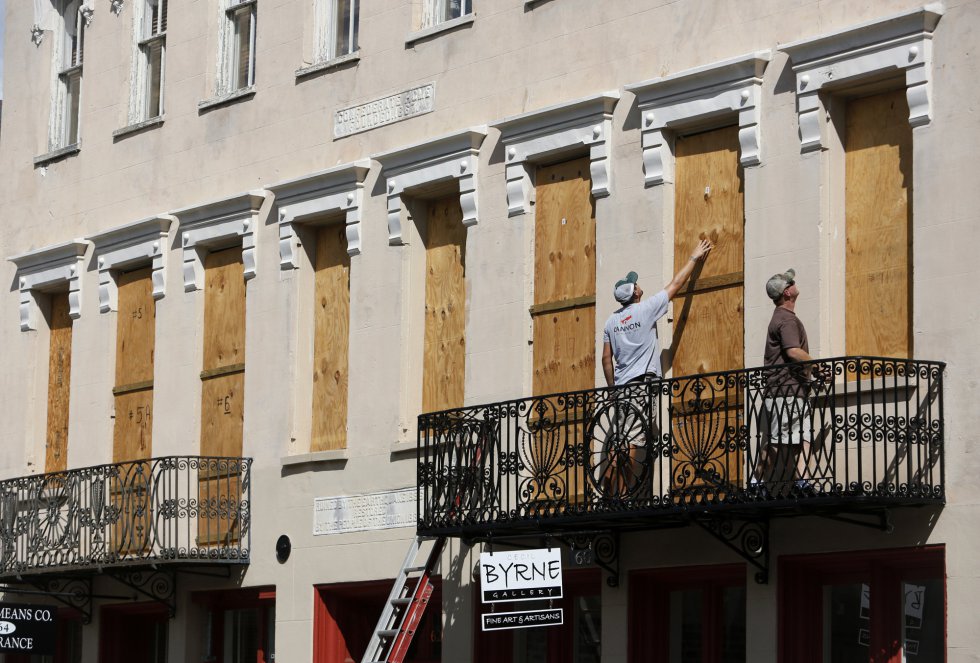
point(170, 510)
point(829, 437)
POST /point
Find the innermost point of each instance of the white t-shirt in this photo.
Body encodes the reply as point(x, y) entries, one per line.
point(632, 333)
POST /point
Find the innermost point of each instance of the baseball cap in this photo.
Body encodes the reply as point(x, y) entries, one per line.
point(623, 290)
point(779, 282)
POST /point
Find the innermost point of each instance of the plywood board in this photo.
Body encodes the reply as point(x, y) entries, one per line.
point(224, 309)
point(564, 351)
point(564, 233)
point(331, 339)
point(709, 203)
point(709, 323)
point(219, 497)
point(444, 359)
point(564, 274)
point(131, 437)
point(135, 333)
point(223, 381)
point(878, 204)
point(59, 384)
point(135, 328)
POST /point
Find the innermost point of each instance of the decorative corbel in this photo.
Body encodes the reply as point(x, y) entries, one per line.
point(88, 13)
point(37, 34)
point(116, 6)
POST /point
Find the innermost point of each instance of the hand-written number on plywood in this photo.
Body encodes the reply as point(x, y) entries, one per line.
point(224, 404)
point(137, 313)
point(141, 414)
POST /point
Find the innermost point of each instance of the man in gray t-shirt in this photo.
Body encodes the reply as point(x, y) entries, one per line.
point(630, 336)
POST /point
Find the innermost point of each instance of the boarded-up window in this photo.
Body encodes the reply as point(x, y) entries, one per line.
point(330, 344)
point(708, 313)
point(564, 279)
point(878, 208)
point(222, 393)
point(59, 383)
point(133, 391)
point(444, 362)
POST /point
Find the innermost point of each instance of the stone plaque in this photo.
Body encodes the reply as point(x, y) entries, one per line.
point(387, 110)
point(358, 513)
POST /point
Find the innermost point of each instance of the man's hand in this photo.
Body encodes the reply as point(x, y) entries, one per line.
point(701, 250)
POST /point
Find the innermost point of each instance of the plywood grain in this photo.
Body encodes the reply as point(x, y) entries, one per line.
point(709, 312)
point(878, 204)
point(224, 309)
point(59, 384)
point(564, 351)
point(222, 394)
point(331, 321)
point(444, 359)
point(135, 334)
point(564, 233)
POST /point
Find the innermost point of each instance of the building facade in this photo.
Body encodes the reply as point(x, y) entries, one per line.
point(250, 242)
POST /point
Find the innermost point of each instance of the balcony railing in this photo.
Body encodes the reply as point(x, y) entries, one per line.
point(175, 509)
point(833, 435)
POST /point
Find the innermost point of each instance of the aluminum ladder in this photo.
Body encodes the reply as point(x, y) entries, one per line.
point(406, 604)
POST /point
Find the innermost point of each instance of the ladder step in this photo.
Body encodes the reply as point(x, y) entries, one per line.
point(402, 601)
point(414, 569)
point(388, 633)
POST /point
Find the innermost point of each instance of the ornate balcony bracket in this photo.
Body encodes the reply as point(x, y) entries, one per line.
point(159, 585)
point(599, 548)
point(747, 538)
point(74, 592)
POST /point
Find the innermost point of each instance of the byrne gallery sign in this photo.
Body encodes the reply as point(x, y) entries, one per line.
point(521, 575)
point(359, 513)
point(387, 110)
point(28, 629)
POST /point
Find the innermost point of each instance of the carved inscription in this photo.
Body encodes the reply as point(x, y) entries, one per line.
point(387, 110)
point(357, 513)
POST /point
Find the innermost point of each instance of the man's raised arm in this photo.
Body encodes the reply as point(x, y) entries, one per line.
point(681, 277)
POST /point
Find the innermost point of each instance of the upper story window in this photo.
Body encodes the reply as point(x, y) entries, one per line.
point(70, 51)
point(336, 28)
point(435, 12)
point(239, 51)
point(152, 46)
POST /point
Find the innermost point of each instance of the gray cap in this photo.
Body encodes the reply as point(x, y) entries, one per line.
point(777, 283)
point(624, 288)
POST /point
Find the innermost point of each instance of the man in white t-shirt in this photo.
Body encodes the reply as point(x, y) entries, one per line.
point(631, 353)
point(629, 340)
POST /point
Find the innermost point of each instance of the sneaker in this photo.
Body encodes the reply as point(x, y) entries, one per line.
point(803, 486)
point(758, 488)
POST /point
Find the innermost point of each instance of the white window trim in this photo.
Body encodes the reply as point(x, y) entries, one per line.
point(139, 70)
point(452, 157)
point(699, 96)
point(325, 26)
point(46, 268)
point(58, 132)
point(898, 43)
point(552, 131)
point(431, 8)
point(128, 247)
point(438, 28)
point(227, 48)
point(218, 225)
point(337, 190)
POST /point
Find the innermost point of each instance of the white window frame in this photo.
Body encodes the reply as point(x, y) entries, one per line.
point(148, 36)
point(327, 25)
point(68, 59)
point(229, 66)
point(434, 12)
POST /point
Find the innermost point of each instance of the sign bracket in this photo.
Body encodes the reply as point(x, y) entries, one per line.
point(156, 584)
point(748, 538)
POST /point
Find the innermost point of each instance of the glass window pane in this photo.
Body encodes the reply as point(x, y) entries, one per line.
point(241, 636)
point(733, 625)
point(342, 28)
point(154, 78)
point(685, 626)
point(588, 629)
point(924, 621)
point(243, 48)
point(73, 84)
point(846, 623)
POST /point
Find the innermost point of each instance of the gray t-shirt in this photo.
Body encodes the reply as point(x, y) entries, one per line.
point(632, 333)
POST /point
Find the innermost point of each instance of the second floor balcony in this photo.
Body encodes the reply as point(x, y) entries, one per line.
point(849, 435)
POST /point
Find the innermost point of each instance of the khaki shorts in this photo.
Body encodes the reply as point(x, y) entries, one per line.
point(789, 419)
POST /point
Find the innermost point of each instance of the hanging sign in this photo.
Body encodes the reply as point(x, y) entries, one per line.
point(498, 621)
point(521, 575)
point(28, 629)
